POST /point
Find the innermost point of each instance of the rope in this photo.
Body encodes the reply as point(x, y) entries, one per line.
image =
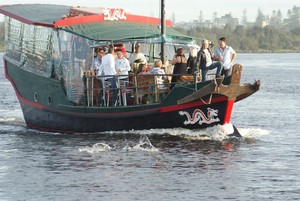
point(210, 97)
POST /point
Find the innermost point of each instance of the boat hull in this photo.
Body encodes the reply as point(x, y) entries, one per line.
point(59, 115)
point(189, 116)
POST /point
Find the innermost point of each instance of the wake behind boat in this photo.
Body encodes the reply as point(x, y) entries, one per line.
point(49, 61)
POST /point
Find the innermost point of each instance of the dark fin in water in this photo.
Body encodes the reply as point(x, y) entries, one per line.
point(235, 133)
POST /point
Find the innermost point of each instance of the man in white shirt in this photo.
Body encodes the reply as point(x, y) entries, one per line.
point(107, 69)
point(137, 55)
point(122, 66)
point(226, 55)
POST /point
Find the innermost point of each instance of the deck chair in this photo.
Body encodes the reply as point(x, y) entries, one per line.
point(145, 85)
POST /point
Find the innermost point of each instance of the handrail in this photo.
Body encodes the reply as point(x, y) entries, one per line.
point(132, 87)
point(132, 90)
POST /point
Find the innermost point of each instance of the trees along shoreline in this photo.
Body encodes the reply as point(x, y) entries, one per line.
point(253, 39)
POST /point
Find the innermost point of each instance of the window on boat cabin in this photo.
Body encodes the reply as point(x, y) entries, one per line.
point(29, 45)
point(72, 56)
point(36, 49)
point(13, 38)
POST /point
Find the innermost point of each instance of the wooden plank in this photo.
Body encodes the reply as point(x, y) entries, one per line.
point(206, 90)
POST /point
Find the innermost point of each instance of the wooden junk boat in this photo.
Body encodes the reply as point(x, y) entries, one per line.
point(48, 60)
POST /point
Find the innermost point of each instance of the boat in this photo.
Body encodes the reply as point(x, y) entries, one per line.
point(48, 60)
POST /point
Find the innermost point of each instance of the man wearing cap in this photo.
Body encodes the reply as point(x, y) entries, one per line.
point(137, 56)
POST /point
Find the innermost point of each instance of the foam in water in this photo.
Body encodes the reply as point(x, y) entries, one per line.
point(96, 148)
point(253, 132)
point(144, 144)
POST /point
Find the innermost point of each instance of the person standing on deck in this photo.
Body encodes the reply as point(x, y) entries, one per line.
point(98, 60)
point(108, 69)
point(180, 66)
point(122, 66)
point(226, 55)
point(192, 62)
point(204, 57)
point(96, 68)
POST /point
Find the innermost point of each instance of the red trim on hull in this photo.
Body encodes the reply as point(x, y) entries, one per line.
point(192, 104)
point(228, 111)
point(100, 18)
point(49, 130)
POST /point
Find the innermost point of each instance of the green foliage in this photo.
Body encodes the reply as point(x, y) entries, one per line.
point(251, 39)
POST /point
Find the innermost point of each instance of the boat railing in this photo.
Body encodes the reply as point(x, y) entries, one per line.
point(130, 89)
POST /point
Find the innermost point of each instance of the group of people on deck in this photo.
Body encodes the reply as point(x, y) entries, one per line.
point(222, 59)
point(108, 65)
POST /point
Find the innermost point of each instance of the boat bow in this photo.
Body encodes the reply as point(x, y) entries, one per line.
point(234, 91)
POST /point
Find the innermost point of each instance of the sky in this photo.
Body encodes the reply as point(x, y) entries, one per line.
point(184, 10)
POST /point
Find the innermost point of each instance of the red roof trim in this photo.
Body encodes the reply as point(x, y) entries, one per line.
point(100, 18)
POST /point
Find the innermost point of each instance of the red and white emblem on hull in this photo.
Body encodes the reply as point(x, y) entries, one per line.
point(200, 117)
point(114, 14)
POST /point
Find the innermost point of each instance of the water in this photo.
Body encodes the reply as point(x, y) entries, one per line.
point(164, 164)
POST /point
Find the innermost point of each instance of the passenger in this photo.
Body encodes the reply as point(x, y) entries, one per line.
point(142, 69)
point(96, 68)
point(122, 66)
point(108, 69)
point(192, 62)
point(158, 70)
point(226, 55)
point(98, 59)
point(206, 63)
point(180, 66)
point(137, 57)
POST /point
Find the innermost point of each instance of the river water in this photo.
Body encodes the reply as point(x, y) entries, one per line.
point(164, 164)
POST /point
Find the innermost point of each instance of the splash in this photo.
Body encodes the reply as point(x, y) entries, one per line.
point(253, 132)
point(96, 148)
point(145, 145)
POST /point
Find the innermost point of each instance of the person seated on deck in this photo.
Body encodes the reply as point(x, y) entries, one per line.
point(205, 59)
point(142, 70)
point(180, 66)
point(136, 57)
point(161, 81)
point(158, 70)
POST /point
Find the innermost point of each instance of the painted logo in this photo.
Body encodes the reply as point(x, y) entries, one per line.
point(200, 117)
point(114, 14)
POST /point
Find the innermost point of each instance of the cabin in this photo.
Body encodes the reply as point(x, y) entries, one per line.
point(62, 44)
